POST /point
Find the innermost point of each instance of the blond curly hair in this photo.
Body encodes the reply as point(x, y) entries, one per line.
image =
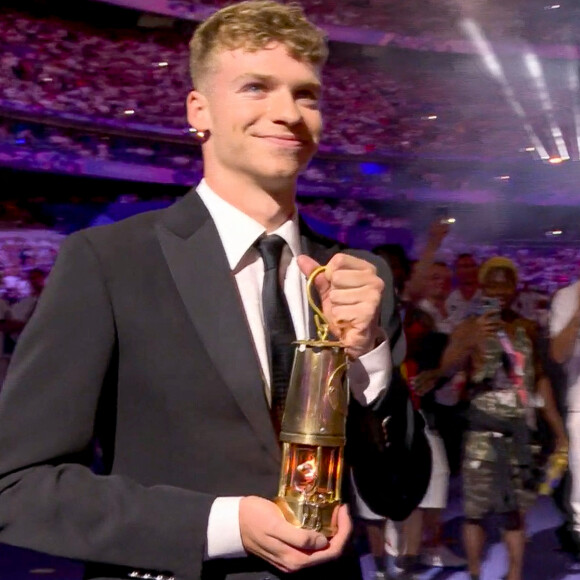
point(253, 25)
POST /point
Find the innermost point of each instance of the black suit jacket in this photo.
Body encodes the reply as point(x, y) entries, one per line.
point(140, 340)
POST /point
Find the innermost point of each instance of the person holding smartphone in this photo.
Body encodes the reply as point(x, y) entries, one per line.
point(497, 350)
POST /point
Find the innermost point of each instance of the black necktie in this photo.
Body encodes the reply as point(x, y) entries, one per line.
point(279, 329)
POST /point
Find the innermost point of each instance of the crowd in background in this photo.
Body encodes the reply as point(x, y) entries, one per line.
point(127, 77)
point(59, 149)
point(82, 150)
point(439, 18)
point(480, 369)
point(39, 146)
point(26, 243)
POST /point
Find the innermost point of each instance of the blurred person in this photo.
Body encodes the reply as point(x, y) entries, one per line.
point(375, 525)
point(151, 339)
point(565, 350)
point(430, 287)
point(437, 290)
point(426, 329)
point(447, 407)
point(417, 283)
point(462, 300)
point(498, 350)
point(21, 311)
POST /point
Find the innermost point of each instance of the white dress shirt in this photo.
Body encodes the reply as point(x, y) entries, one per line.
point(368, 376)
point(442, 324)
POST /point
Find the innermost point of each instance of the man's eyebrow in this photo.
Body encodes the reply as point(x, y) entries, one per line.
point(316, 87)
point(254, 77)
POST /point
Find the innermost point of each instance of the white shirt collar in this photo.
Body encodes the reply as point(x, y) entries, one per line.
point(238, 231)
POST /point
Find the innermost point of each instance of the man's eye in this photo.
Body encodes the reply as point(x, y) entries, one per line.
point(254, 87)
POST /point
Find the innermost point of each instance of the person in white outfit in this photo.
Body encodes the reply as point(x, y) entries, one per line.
point(565, 350)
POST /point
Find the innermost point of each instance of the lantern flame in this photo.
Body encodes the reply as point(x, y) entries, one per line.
point(306, 474)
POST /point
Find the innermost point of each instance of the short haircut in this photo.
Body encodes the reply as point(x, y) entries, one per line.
point(253, 25)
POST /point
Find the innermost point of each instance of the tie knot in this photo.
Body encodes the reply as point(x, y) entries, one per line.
point(270, 248)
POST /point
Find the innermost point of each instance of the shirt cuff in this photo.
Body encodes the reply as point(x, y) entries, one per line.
point(223, 529)
point(370, 374)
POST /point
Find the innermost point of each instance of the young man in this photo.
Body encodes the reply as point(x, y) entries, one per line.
point(150, 338)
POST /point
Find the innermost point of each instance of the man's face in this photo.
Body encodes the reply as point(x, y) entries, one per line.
point(466, 270)
point(262, 110)
point(500, 283)
point(439, 278)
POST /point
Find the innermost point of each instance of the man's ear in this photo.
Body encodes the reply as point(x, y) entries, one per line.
point(197, 111)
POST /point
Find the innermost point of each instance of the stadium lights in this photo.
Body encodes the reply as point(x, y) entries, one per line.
point(555, 160)
point(574, 86)
point(485, 50)
point(162, 64)
point(129, 112)
point(534, 67)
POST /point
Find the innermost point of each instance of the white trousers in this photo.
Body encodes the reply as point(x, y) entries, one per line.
point(436, 494)
point(435, 497)
point(573, 425)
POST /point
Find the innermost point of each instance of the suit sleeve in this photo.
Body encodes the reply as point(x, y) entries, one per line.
point(50, 500)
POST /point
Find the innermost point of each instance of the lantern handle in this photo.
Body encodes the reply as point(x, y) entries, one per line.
point(320, 320)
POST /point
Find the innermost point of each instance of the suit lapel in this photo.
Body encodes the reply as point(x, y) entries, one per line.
point(200, 270)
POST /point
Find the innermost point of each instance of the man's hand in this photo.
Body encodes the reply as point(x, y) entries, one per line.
point(350, 293)
point(266, 534)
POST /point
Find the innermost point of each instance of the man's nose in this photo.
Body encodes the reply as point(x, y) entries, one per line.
point(284, 108)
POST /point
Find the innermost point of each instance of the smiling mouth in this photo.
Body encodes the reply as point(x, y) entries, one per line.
point(285, 141)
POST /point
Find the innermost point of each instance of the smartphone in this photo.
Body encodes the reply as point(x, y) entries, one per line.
point(489, 304)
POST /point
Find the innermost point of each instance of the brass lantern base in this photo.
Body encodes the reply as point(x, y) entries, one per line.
point(310, 516)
